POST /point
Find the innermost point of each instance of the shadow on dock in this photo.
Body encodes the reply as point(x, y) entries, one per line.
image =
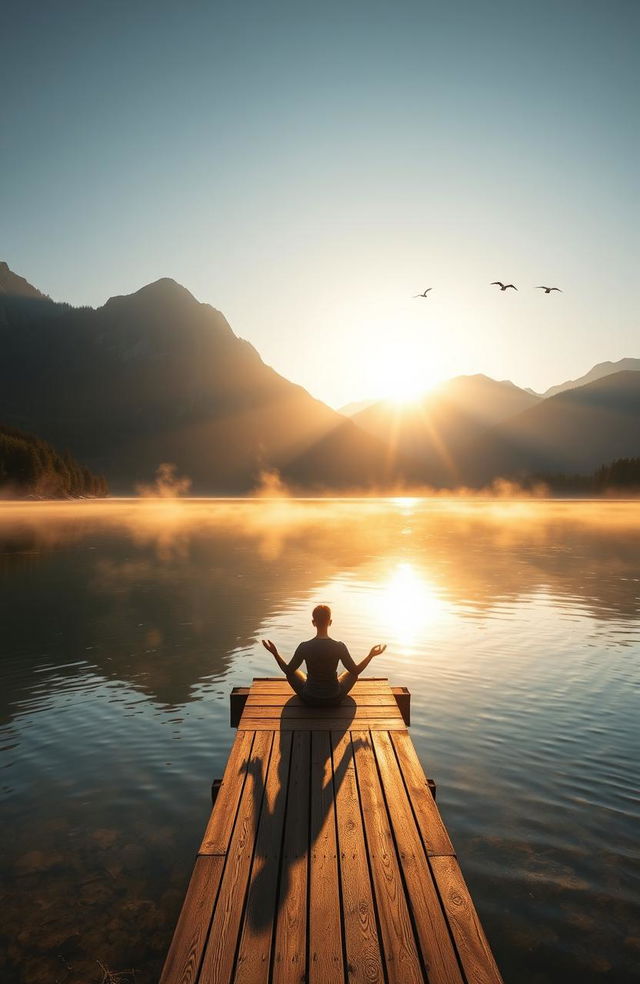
point(304, 768)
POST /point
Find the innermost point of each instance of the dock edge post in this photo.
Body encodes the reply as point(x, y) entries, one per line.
point(237, 700)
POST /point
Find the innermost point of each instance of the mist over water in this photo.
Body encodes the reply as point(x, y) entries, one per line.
point(516, 626)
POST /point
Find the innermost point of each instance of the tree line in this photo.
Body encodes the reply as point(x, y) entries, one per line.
point(30, 466)
point(621, 475)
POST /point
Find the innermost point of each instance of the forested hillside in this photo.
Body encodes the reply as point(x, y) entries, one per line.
point(30, 466)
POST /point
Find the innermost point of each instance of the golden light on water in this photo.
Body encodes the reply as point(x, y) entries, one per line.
point(407, 604)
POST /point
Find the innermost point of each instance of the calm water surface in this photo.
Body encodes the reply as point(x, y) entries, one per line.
point(124, 626)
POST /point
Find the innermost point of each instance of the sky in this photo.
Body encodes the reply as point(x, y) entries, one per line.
point(307, 168)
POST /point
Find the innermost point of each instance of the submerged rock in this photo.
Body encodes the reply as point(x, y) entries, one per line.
point(35, 861)
point(104, 838)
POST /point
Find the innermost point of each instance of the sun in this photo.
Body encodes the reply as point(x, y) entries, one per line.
point(402, 376)
point(404, 393)
point(402, 384)
point(393, 358)
point(407, 386)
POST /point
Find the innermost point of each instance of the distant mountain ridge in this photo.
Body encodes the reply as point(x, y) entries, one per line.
point(156, 376)
point(15, 286)
point(597, 372)
point(436, 429)
point(575, 431)
point(350, 409)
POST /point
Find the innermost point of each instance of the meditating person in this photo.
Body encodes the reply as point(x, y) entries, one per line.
point(321, 686)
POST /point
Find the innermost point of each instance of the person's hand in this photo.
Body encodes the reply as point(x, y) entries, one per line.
point(376, 650)
point(270, 647)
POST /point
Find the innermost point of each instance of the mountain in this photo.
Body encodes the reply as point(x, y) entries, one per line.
point(597, 372)
point(353, 408)
point(155, 377)
point(20, 301)
point(437, 429)
point(575, 431)
point(11, 285)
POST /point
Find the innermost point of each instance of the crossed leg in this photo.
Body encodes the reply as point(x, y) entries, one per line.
point(297, 680)
point(346, 681)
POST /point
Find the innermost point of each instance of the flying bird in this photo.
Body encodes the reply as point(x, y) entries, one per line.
point(498, 283)
point(548, 290)
point(424, 293)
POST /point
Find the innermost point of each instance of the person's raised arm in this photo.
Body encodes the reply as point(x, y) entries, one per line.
point(357, 668)
point(293, 664)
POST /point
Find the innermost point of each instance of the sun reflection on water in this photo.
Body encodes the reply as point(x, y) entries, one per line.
point(407, 604)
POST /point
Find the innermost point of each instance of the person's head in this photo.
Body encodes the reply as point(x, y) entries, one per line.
point(321, 617)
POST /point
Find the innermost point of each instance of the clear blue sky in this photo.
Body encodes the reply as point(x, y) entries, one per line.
point(308, 167)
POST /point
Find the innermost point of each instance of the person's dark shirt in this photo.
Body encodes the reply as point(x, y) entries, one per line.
point(322, 656)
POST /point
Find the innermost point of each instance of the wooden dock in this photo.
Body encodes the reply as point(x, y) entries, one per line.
point(325, 859)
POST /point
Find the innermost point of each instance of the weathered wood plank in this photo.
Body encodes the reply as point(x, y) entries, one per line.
point(473, 949)
point(362, 945)
point(182, 965)
point(432, 930)
point(301, 710)
point(430, 824)
point(254, 953)
point(290, 948)
point(219, 955)
point(318, 724)
point(280, 685)
point(220, 826)
point(326, 965)
point(280, 700)
point(399, 947)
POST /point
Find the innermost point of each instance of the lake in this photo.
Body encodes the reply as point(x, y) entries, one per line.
point(125, 624)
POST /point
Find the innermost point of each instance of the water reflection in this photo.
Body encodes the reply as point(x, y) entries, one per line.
point(515, 625)
point(124, 588)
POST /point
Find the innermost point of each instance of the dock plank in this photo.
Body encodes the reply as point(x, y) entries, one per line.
point(438, 952)
point(290, 949)
point(399, 947)
point(430, 824)
point(377, 699)
point(326, 964)
point(219, 955)
point(318, 724)
point(473, 948)
point(254, 953)
point(281, 686)
point(346, 711)
point(362, 945)
point(220, 826)
point(182, 965)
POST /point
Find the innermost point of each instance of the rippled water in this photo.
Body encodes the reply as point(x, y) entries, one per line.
point(516, 627)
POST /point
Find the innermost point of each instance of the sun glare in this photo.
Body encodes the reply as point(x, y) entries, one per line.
point(406, 382)
point(404, 386)
point(407, 604)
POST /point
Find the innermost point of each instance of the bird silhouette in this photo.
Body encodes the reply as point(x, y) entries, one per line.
point(548, 290)
point(498, 283)
point(424, 293)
